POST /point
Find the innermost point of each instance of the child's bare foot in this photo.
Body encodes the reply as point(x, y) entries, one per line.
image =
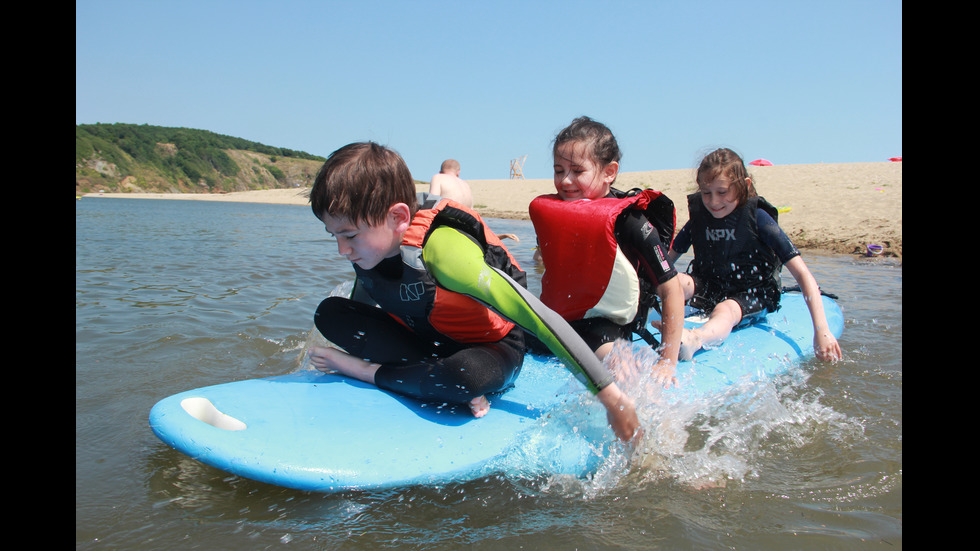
point(691, 342)
point(480, 406)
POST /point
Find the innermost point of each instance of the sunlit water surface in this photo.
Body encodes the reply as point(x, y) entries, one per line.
point(175, 295)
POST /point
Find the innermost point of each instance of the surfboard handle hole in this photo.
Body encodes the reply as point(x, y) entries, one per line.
point(203, 410)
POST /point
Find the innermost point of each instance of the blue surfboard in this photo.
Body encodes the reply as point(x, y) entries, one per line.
point(324, 432)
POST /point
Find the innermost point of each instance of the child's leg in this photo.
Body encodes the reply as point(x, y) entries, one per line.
point(600, 334)
point(362, 331)
point(725, 315)
point(464, 377)
point(687, 284)
point(381, 351)
point(367, 332)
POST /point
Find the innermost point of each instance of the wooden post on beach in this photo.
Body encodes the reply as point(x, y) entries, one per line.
point(517, 168)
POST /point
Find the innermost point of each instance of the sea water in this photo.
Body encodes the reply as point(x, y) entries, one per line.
point(174, 295)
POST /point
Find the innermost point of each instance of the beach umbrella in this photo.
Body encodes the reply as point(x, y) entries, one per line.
point(761, 162)
point(895, 159)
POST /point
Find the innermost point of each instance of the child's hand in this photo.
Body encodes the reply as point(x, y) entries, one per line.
point(333, 360)
point(320, 357)
point(826, 347)
point(620, 412)
point(665, 372)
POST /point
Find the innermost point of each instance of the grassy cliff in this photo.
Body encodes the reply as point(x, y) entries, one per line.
point(144, 158)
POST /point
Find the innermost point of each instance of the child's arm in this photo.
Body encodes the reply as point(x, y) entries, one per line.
point(671, 327)
point(638, 236)
point(825, 345)
point(457, 263)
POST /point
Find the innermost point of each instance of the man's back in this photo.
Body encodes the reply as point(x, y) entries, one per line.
point(452, 187)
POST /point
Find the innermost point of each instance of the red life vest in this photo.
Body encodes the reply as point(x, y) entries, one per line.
point(586, 272)
point(420, 303)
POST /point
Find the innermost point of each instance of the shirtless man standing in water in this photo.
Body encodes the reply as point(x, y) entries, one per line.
point(448, 184)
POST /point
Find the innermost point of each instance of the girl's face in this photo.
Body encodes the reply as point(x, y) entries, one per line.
point(719, 196)
point(577, 176)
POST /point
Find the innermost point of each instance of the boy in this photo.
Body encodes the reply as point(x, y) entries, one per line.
point(439, 304)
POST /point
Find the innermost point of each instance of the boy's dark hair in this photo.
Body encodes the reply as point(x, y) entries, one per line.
point(360, 182)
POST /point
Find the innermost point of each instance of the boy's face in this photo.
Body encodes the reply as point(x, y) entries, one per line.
point(578, 177)
point(364, 244)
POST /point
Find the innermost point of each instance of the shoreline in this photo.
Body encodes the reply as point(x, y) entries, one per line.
point(837, 208)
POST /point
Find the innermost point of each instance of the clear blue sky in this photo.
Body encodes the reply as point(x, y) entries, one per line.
point(486, 81)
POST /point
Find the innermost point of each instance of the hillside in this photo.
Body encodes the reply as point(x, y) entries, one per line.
point(144, 158)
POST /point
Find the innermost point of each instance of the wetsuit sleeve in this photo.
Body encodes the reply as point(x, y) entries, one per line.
point(637, 235)
point(457, 263)
point(773, 236)
point(682, 241)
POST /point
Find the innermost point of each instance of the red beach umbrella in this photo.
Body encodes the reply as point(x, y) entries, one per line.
point(761, 162)
point(895, 159)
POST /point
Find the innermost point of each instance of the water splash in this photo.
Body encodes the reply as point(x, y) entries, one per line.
point(698, 440)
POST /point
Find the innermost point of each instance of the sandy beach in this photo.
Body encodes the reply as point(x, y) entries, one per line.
point(839, 208)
